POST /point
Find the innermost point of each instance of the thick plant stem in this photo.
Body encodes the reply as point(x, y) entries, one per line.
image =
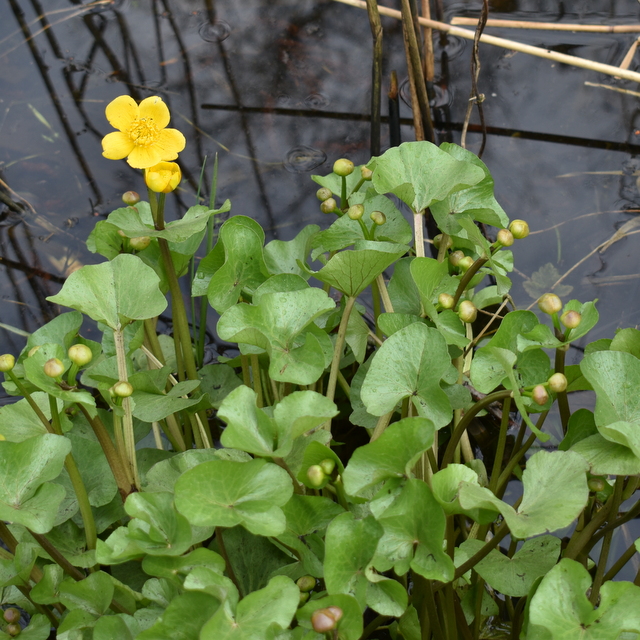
point(375, 294)
point(563, 400)
point(466, 278)
point(257, 382)
point(337, 353)
point(119, 469)
point(418, 230)
point(384, 294)
point(620, 562)
point(76, 480)
point(227, 562)
point(30, 400)
point(57, 557)
point(502, 439)
point(127, 419)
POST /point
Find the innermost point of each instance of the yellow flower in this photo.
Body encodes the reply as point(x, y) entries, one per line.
point(163, 177)
point(142, 136)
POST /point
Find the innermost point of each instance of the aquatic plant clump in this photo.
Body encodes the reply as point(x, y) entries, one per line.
point(327, 476)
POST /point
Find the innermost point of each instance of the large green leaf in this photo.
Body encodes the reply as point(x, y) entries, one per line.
point(93, 594)
point(350, 546)
point(515, 576)
point(283, 256)
point(419, 174)
point(258, 616)
point(222, 493)
point(277, 324)
point(27, 496)
point(392, 455)
point(414, 526)
point(555, 493)
point(410, 364)
point(115, 292)
point(244, 269)
point(560, 609)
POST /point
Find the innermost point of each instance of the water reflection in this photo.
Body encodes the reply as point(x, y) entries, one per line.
point(303, 159)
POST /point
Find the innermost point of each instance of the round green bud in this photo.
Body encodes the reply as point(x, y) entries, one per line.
point(14, 629)
point(446, 301)
point(304, 596)
point(11, 615)
point(80, 354)
point(596, 484)
point(33, 350)
point(323, 193)
point(437, 241)
point(343, 167)
point(540, 395)
point(467, 311)
point(519, 229)
point(306, 583)
point(355, 211)
point(378, 217)
point(140, 243)
point(322, 621)
point(315, 475)
point(54, 368)
point(455, 257)
point(557, 382)
point(366, 174)
point(550, 303)
point(328, 465)
point(7, 362)
point(130, 198)
point(465, 263)
point(571, 319)
point(122, 389)
point(328, 206)
point(505, 237)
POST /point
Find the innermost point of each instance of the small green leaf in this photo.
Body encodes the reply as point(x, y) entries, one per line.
point(282, 256)
point(93, 594)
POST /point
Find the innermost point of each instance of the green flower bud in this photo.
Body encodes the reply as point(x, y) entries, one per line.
point(557, 382)
point(322, 621)
point(130, 198)
point(11, 615)
point(467, 311)
point(571, 319)
point(54, 368)
point(455, 257)
point(140, 243)
point(437, 241)
point(323, 194)
point(328, 206)
point(343, 167)
point(7, 362)
point(366, 174)
point(596, 484)
point(336, 612)
point(356, 211)
point(80, 354)
point(540, 395)
point(304, 596)
point(378, 217)
point(122, 389)
point(316, 475)
point(306, 583)
point(328, 465)
point(446, 301)
point(465, 263)
point(33, 350)
point(550, 303)
point(519, 229)
point(14, 629)
point(505, 237)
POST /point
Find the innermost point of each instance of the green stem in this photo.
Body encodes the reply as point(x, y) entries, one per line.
point(57, 557)
point(418, 231)
point(30, 400)
point(257, 382)
point(127, 420)
point(466, 278)
point(563, 400)
point(378, 621)
point(152, 337)
point(337, 353)
point(620, 562)
point(502, 439)
point(344, 203)
point(466, 420)
point(76, 480)
point(227, 562)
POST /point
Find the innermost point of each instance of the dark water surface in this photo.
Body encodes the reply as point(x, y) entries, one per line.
point(280, 89)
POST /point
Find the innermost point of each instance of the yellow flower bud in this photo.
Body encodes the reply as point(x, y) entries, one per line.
point(54, 368)
point(80, 354)
point(163, 177)
point(7, 362)
point(550, 303)
point(343, 167)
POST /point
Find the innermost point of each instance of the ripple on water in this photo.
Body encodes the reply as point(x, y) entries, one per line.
point(303, 159)
point(214, 32)
point(316, 101)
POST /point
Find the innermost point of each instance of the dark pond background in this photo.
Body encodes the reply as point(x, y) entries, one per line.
point(280, 89)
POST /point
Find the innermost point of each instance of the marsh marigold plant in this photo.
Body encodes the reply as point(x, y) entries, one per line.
point(142, 136)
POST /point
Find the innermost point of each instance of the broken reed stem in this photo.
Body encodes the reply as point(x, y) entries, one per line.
point(550, 26)
point(575, 61)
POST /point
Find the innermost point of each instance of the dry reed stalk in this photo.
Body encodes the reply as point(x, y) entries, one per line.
point(550, 26)
point(574, 61)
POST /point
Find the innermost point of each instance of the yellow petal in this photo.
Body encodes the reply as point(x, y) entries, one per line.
point(121, 112)
point(116, 146)
point(169, 143)
point(144, 157)
point(163, 177)
point(155, 109)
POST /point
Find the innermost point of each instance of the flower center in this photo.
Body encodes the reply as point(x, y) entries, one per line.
point(143, 132)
